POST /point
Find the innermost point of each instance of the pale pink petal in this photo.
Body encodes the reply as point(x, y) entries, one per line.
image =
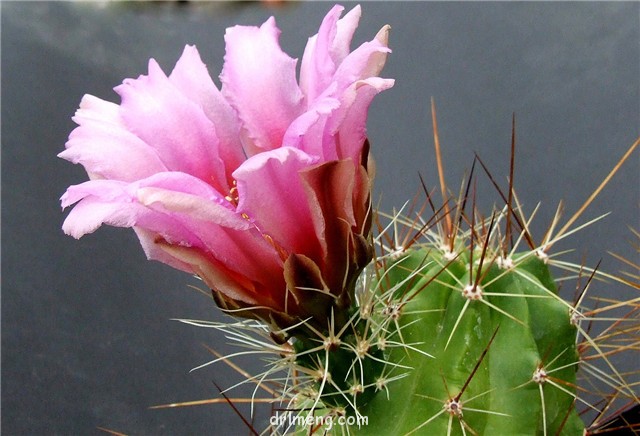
point(272, 195)
point(215, 275)
point(153, 250)
point(348, 124)
point(105, 147)
point(318, 66)
point(115, 203)
point(364, 62)
point(259, 80)
point(178, 209)
point(191, 77)
point(308, 132)
point(346, 27)
point(90, 213)
point(109, 202)
point(109, 190)
point(326, 50)
point(193, 206)
point(222, 232)
point(330, 70)
point(185, 139)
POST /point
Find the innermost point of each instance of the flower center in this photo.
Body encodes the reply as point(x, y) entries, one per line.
point(233, 195)
point(234, 199)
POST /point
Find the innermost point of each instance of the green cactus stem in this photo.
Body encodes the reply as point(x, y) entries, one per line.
point(451, 332)
point(464, 334)
point(520, 382)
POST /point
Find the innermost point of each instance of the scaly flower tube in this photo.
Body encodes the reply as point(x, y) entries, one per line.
point(261, 188)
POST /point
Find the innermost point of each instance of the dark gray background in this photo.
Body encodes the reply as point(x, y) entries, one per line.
point(87, 340)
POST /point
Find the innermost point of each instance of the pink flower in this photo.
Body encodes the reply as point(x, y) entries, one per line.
point(262, 188)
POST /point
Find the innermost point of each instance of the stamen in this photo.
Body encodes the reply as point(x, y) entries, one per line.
point(233, 195)
point(281, 251)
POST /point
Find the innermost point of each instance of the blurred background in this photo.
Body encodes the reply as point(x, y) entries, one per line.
point(87, 336)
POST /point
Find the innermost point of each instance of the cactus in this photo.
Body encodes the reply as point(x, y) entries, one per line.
point(458, 329)
point(479, 341)
point(497, 335)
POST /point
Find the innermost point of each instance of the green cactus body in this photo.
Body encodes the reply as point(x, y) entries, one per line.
point(478, 382)
point(494, 355)
point(449, 335)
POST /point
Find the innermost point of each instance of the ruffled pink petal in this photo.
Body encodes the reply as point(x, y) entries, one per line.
point(326, 50)
point(231, 239)
point(142, 204)
point(272, 195)
point(317, 66)
point(364, 62)
point(154, 251)
point(105, 147)
point(329, 70)
point(215, 275)
point(259, 80)
point(228, 237)
point(308, 132)
point(111, 202)
point(185, 139)
point(191, 77)
point(346, 27)
point(348, 124)
point(175, 209)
